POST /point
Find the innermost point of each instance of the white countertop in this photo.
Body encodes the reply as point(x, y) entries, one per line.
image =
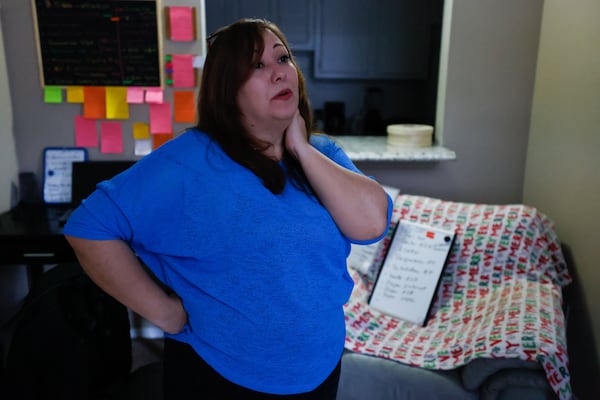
point(376, 148)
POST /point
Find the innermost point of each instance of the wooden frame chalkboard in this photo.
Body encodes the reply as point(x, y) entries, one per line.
point(98, 43)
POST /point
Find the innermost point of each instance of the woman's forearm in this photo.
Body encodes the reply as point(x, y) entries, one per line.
point(113, 266)
point(358, 204)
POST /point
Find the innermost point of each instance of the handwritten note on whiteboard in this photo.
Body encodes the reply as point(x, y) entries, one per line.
point(411, 270)
point(58, 163)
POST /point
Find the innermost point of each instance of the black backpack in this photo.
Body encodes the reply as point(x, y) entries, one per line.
point(70, 340)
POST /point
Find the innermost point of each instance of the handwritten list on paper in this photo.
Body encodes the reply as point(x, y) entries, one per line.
point(410, 272)
point(58, 164)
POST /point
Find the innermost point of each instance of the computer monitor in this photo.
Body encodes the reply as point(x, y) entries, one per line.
point(86, 175)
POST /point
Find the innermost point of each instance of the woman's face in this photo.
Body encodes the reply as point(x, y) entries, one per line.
point(270, 95)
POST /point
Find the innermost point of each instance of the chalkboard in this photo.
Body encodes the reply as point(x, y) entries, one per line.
point(411, 271)
point(98, 43)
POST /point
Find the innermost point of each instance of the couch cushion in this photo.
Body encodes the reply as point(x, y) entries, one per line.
point(365, 377)
point(477, 371)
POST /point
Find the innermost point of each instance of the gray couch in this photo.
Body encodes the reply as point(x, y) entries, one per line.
point(370, 378)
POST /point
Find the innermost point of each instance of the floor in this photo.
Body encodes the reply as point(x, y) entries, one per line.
point(146, 341)
point(145, 351)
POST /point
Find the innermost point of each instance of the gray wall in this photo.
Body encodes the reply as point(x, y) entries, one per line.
point(8, 157)
point(490, 72)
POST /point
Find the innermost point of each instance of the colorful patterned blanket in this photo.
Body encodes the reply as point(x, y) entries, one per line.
point(499, 294)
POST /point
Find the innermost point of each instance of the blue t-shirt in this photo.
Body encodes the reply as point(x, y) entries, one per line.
point(262, 277)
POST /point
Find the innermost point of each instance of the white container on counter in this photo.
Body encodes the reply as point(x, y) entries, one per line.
point(409, 135)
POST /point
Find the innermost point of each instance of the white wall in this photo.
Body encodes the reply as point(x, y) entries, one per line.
point(8, 160)
point(562, 176)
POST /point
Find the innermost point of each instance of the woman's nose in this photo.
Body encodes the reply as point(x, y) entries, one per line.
point(278, 74)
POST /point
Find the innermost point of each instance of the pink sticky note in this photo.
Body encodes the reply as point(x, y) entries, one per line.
point(183, 70)
point(135, 95)
point(160, 118)
point(86, 134)
point(154, 95)
point(181, 23)
point(111, 137)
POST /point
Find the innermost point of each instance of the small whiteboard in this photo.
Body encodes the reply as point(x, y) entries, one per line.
point(58, 163)
point(411, 271)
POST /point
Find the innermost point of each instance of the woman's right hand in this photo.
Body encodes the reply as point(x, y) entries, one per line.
point(176, 318)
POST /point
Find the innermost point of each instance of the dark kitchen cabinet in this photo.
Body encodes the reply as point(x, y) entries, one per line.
point(295, 18)
point(387, 39)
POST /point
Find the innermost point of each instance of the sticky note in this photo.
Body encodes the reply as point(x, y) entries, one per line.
point(160, 118)
point(111, 137)
point(154, 95)
point(135, 95)
point(52, 94)
point(183, 70)
point(160, 139)
point(116, 103)
point(184, 106)
point(86, 133)
point(94, 103)
point(141, 130)
point(142, 147)
point(181, 23)
point(74, 94)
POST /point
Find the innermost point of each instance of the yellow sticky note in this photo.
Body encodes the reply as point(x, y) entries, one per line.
point(52, 94)
point(141, 130)
point(116, 103)
point(74, 94)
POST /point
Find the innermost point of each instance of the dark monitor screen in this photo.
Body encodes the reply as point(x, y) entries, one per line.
point(87, 174)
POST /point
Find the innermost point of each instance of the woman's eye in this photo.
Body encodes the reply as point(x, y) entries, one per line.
point(259, 65)
point(284, 59)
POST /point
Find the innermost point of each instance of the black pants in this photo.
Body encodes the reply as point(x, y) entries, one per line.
point(188, 376)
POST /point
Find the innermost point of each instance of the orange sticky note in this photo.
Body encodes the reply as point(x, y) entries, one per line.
point(154, 95)
point(160, 139)
point(94, 103)
point(181, 22)
point(74, 94)
point(111, 137)
point(86, 134)
point(135, 95)
point(184, 106)
point(116, 103)
point(183, 70)
point(160, 118)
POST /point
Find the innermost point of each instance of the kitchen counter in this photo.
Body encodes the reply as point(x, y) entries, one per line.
point(376, 148)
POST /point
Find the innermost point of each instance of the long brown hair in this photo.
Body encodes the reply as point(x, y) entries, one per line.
point(233, 51)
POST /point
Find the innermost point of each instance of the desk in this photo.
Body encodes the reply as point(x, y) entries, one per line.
point(32, 235)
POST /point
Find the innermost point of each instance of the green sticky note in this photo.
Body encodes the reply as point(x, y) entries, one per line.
point(53, 94)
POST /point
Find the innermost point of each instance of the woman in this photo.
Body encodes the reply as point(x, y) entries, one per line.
point(248, 218)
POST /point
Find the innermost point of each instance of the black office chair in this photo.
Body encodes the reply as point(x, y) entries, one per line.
point(70, 340)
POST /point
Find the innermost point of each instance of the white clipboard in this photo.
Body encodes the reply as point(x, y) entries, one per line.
point(411, 270)
point(58, 163)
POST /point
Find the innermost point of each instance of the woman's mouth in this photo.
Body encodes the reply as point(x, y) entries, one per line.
point(283, 95)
